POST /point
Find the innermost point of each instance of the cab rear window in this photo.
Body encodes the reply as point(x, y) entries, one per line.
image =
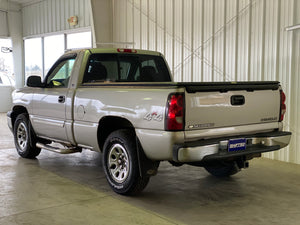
point(126, 68)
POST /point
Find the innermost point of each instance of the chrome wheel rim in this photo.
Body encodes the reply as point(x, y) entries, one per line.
point(118, 163)
point(22, 136)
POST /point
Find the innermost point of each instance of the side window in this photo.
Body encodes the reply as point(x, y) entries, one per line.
point(60, 76)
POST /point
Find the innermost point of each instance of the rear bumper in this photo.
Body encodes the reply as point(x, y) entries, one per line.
point(216, 149)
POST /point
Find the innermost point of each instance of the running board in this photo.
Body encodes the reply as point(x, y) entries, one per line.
point(58, 150)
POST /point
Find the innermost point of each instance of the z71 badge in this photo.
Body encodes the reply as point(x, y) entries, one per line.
point(153, 116)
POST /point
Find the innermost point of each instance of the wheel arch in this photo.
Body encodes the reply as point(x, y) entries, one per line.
point(109, 124)
point(17, 110)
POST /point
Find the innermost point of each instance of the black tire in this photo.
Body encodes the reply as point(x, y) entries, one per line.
point(120, 163)
point(223, 169)
point(25, 138)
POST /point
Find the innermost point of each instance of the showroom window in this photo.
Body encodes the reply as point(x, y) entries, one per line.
point(42, 52)
point(79, 40)
point(33, 57)
point(6, 63)
point(53, 53)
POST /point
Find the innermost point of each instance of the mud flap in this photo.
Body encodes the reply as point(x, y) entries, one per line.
point(147, 167)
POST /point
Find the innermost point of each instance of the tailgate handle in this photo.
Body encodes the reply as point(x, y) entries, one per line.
point(237, 100)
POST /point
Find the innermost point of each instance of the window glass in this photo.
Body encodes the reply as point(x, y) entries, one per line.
point(59, 77)
point(33, 57)
point(79, 40)
point(6, 63)
point(101, 68)
point(53, 49)
point(126, 68)
point(149, 62)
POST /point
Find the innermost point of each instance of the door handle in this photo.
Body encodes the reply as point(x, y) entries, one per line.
point(61, 99)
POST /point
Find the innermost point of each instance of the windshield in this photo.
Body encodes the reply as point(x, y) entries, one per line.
point(126, 68)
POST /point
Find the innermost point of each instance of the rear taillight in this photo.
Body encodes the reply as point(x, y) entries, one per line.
point(282, 105)
point(175, 112)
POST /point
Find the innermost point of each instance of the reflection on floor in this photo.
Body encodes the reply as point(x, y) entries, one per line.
point(71, 189)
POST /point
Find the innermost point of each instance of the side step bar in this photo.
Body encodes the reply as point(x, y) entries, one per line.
point(58, 150)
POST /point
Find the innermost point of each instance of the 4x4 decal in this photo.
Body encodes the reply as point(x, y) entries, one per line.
point(153, 116)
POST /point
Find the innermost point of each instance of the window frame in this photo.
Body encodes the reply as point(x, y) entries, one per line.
point(55, 65)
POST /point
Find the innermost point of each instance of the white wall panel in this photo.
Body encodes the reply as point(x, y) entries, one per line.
point(178, 62)
point(197, 45)
point(169, 32)
point(231, 38)
point(160, 26)
point(129, 23)
point(243, 40)
point(223, 40)
point(219, 50)
point(151, 24)
point(256, 40)
point(51, 16)
point(136, 22)
point(3, 24)
point(144, 24)
point(187, 29)
point(208, 41)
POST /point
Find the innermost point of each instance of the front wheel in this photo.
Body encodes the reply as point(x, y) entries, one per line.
point(223, 169)
point(24, 138)
point(120, 163)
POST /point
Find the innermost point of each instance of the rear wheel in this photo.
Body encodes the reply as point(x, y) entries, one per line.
point(120, 163)
point(223, 169)
point(25, 138)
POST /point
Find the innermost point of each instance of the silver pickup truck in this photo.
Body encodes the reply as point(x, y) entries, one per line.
point(123, 103)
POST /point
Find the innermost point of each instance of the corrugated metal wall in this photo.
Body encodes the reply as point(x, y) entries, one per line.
point(51, 16)
point(222, 40)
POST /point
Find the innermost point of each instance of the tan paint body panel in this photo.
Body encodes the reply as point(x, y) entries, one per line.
point(214, 109)
point(208, 114)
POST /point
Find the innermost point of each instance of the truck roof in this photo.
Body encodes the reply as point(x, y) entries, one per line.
point(116, 50)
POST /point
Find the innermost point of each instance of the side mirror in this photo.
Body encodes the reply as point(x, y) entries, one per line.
point(34, 81)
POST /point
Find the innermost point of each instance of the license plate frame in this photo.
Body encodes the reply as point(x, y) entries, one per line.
point(238, 144)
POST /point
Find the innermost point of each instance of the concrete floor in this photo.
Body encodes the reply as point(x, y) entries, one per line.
point(71, 189)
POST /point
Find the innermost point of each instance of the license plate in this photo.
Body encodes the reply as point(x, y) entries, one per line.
point(237, 144)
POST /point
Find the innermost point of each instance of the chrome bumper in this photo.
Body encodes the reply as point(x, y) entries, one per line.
point(216, 149)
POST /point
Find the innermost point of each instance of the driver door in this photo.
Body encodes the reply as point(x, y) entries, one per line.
point(49, 103)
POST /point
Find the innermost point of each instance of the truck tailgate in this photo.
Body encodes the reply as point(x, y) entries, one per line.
point(229, 105)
